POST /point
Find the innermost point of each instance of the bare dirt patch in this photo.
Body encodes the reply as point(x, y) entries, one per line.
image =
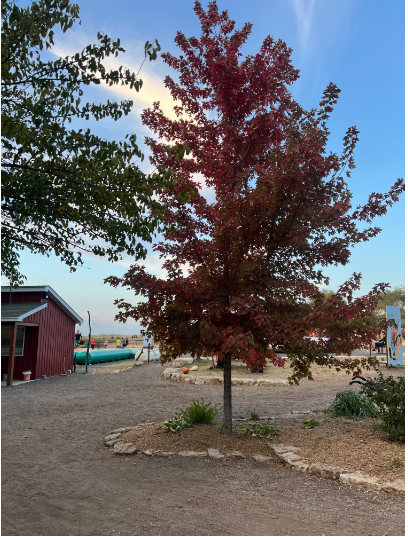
point(117, 366)
point(348, 444)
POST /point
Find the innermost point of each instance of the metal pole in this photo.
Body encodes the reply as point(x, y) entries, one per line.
point(89, 340)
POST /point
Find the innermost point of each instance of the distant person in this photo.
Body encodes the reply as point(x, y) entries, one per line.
point(118, 343)
point(77, 338)
point(127, 342)
point(106, 344)
point(123, 343)
point(379, 343)
point(93, 343)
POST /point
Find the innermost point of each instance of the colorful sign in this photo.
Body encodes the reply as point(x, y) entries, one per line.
point(394, 336)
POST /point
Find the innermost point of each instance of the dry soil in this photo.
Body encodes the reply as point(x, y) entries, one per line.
point(59, 479)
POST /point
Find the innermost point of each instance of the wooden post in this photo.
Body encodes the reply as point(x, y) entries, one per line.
point(12, 352)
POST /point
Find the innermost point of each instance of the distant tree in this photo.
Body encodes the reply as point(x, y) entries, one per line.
point(282, 210)
point(394, 297)
point(62, 186)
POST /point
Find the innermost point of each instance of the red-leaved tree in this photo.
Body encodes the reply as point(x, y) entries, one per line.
point(244, 261)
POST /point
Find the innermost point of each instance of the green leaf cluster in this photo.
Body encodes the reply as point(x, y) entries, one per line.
point(388, 394)
point(257, 429)
point(67, 191)
point(178, 423)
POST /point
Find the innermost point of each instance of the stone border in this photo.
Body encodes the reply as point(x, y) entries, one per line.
point(173, 375)
point(279, 453)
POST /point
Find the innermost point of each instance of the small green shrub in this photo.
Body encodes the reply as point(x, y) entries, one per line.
point(254, 416)
point(352, 405)
point(200, 412)
point(176, 424)
point(309, 424)
point(388, 394)
point(257, 429)
point(396, 462)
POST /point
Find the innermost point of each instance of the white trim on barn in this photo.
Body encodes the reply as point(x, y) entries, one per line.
point(46, 289)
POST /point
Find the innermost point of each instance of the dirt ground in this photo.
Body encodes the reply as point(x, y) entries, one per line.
point(59, 479)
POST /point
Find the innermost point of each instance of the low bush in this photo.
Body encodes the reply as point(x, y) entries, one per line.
point(352, 405)
point(257, 429)
point(178, 423)
point(200, 412)
point(310, 424)
point(388, 394)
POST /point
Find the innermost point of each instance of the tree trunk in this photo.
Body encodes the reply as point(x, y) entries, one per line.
point(227, 428)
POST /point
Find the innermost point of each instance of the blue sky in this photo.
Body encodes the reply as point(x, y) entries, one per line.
point(356, 44)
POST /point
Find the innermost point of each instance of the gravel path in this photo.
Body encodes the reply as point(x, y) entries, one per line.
point(59, 479)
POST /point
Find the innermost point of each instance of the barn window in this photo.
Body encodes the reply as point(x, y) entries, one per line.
point(5, 340)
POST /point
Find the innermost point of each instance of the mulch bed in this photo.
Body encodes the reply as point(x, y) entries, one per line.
point(355, 445)
point(197, 438)
point(349, 444)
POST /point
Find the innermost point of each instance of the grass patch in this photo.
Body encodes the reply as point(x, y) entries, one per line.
point(352, 405)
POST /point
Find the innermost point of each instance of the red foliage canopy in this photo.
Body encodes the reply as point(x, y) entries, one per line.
point(257, 208)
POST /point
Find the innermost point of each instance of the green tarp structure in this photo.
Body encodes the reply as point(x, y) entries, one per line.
point(102, 355)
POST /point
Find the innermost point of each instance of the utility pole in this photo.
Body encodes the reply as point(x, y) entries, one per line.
point(89, 340)
point(148, 352)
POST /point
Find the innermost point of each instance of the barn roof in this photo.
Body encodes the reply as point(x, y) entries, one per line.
point(18, 312)
point(52, 294)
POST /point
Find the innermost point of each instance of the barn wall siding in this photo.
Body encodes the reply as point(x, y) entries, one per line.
point(47, 344)
point(56, 332)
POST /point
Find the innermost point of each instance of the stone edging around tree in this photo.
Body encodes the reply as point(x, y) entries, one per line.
point(280, 453)
point(173, 375)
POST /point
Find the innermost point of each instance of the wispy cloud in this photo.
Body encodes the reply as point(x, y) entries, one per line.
point(152, 74)
point(304, 13)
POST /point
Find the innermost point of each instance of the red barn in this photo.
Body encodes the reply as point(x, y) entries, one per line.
point(37, 332)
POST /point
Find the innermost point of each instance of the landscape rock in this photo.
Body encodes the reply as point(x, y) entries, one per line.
point(358, 478)
point(111, 443)
point(397, 486)
point(214, 453)
point(148, 452)
point(193, 453)
point(124, 449)
point(199, 381)
point(120, 430)
point(287, 458)
point(236, 455)
point(283, 453)
point(173, 374)
point(180, 362)
point(261, 458)
point(113, 436)
point(237, 382)
point(166, 453)
point(324, 470)
point(301, 466)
